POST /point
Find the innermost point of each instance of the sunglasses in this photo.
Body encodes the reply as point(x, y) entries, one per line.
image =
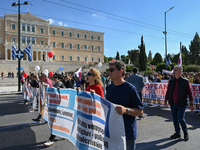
point(55, 77)
point(112, 69)
point(90, 74)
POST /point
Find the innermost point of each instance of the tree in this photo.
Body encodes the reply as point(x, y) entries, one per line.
point(149, 58)
point(105, 59)
point(134, 55)
point(123, 58)
point(110, 59)
point(142, 56)
point(195, 49)
point(185, 52)
point(117, 56)
point(157, 59)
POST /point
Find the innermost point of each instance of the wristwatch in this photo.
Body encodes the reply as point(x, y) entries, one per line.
point(128, 111)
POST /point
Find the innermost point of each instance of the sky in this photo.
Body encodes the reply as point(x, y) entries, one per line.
point(123, 22)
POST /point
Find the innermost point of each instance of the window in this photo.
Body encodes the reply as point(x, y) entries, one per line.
point(28, 27)
point(54, 44)
point(33, 40)
point(85, 58)
point(13, 40)
point(78, 58)
point(99, 48)
point(92, 59)
point(28, 40)
point(54, 57)
point(33, 28)
point(70, 34)
point(92, 37)
point(41, 30)
point(85, 47)
point(62, 45)
point(78, 35)
point(99, 59)
point(62, 57)
point(98, 38)
point(41, 42)
point(23, 39)
point(23, 27)
point(92, 48)
point(85, 36)
point(54, 32)
point(70, 46)
point(13, 26)
point(62, 33)
point(78, 46)
point(70, 58)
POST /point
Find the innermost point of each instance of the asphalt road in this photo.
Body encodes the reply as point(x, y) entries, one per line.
point(19, 132)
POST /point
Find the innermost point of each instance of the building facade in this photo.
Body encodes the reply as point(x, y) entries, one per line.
point(67, 44)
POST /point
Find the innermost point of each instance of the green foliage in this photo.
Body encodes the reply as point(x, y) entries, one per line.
point(195, 49)
point(110, 59)
point(142, 56)
point(169, 67)
point(123, 58)
point(157, 59)
point(134, 55)
point(117, 56)
point(148, 68)
point(192, 68)
point(149, 58)
point(105, 59)
point(154, 69)
point(160, 67)
point(129, 68)
point(147, 73)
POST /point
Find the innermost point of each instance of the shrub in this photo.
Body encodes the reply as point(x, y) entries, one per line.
point(129, 68)
point(192, 68)
point(149, 69)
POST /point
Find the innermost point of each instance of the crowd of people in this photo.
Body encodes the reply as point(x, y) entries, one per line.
point(125, 90)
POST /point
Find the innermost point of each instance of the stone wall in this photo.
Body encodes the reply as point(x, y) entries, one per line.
point(12, 66)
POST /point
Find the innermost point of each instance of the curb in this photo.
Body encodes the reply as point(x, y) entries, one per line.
point(11, 93)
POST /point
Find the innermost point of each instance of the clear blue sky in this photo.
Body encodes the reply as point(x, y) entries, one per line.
point(183, 20)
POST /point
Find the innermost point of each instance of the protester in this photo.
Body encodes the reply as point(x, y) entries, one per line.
point(159, 76)
point(78, 82)
point(45, 79)
point(35, 84)
point(176, 96)
point(58, 84)
point(67, 82)
point(83, 83)
point(191, 77)
point(138, 81)
point(126, 76)
point(127, 99)
point(197, 80)
point(2, 75)
point(95, 84)
point(156, 78)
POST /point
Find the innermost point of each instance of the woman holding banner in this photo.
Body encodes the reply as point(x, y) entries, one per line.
point(93, 77)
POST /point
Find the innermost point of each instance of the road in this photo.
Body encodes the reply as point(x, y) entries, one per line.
point(19, 132)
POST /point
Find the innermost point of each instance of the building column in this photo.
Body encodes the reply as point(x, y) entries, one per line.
point(6, 57)
point(46, 56)
point(36, 55)
point(26, 57)
point(41, 56)
point(32, 55)
point(11, 54)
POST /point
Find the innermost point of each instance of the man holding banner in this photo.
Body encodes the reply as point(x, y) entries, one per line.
point(176, 95)
point(127, 99)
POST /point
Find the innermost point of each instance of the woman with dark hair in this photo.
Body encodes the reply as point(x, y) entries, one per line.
point(93, 77)
point(67, 82)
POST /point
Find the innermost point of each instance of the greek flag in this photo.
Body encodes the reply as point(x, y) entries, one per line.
point(27, 50)
point(30, 3)
point(14, 51)
point(169, 61)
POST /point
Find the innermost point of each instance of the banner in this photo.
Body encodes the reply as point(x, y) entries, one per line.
point(88, 121)
point(27, 91)
point(154, 93)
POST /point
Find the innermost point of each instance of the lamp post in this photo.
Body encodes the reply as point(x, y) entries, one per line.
point(19, 60)
point(165, 32)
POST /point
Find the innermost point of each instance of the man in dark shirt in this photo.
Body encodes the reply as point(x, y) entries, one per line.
point(128, 102)
point(176, 95)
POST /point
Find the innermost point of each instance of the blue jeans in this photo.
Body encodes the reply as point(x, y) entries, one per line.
point(178, 115)
point(130, 145)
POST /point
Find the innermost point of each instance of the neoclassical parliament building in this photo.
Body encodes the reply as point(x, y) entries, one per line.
point(67, 44)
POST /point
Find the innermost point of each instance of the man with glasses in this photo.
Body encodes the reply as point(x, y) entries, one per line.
point(127, 99)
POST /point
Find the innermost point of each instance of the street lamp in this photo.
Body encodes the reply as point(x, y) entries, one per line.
point(165, 32)
point(19, 67)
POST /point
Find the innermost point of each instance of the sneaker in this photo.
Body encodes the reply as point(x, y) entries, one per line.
point(48, 143)
point(31, 110)
point(175, 136)
point(186, 136)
